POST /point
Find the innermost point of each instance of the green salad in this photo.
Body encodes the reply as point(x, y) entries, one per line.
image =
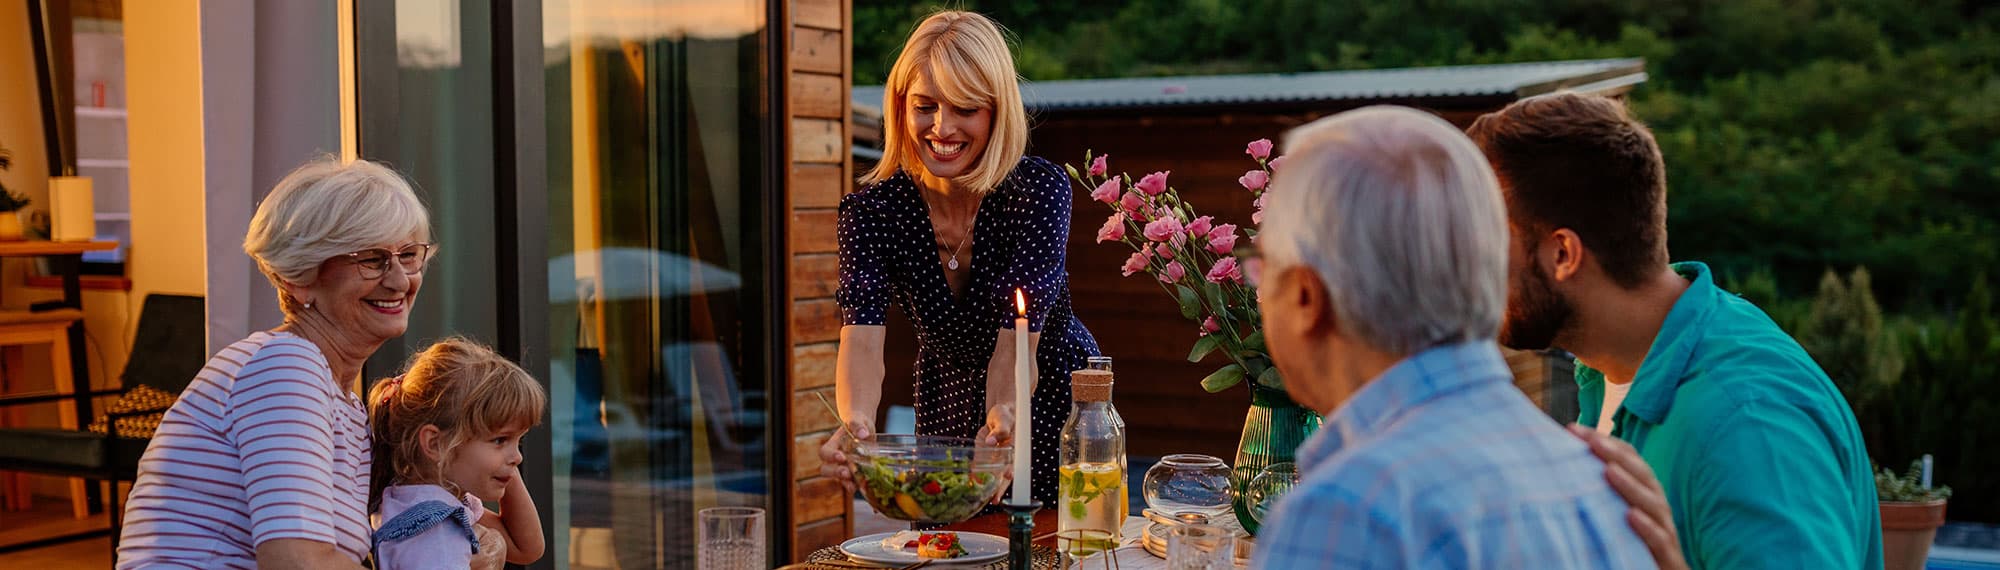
point(925, 490)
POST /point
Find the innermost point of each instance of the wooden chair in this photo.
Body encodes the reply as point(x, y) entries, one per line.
point(25, 328)
point(167, 351)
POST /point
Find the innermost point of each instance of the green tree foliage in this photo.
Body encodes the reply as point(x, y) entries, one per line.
point(1798, 135)
point(1844, 332)
point(1945, 404)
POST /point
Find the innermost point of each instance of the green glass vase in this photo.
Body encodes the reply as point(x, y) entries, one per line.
point(1272, 433)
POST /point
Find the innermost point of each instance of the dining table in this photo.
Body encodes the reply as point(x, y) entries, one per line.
point(1130, 555)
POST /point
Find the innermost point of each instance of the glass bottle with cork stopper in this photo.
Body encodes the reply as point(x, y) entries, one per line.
point(1091, 492)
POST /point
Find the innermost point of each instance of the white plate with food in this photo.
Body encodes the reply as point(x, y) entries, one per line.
point(910, 547)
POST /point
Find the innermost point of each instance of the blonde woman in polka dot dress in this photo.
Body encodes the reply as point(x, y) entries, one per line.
point(952, 221)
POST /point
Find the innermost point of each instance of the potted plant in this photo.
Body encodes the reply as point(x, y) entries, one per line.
point(1912, 511)
point(10, 202)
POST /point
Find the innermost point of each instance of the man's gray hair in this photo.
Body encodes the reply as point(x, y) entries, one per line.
point(1401, 217)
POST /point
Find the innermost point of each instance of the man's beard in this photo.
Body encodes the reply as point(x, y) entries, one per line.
point(1535, 312)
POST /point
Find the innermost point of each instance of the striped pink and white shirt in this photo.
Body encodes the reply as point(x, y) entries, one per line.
point(262, 445)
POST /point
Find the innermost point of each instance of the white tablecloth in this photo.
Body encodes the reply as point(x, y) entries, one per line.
point(1131, 552)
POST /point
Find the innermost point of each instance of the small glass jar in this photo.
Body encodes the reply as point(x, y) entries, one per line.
point(1189, 483)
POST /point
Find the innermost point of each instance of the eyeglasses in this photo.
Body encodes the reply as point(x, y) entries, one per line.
point(374, 262)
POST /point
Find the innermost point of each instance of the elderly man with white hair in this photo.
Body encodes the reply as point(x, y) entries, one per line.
point(1384, 282)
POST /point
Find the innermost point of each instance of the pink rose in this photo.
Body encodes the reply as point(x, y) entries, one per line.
point(1260, 149)
point(1200, 226)
point(1108, 191)
point(1225, 270)
point(1163, 251)
point(1208, 326)
point(1113, 230)
point(1222, 245)
point(1275, 162)
point(1135, 206)
point(1163, 229)
point(1254, 180)
point(1222, 230)
point(1153, 184)
point(1097, 166)
point(1257, 217)
point(1173, 273)
point(1222, 239)
point(1134, 264)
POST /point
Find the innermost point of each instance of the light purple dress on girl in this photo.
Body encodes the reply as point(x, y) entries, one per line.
point(424, 527)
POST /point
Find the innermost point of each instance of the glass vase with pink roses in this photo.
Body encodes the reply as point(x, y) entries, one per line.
point(1195, 260)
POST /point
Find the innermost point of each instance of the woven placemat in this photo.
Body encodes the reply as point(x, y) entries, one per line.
point(1045, 559)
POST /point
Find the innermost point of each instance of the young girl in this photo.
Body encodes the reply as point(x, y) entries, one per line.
point(447, 439)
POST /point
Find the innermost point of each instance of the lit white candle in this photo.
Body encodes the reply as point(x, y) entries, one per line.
point(1023, 379)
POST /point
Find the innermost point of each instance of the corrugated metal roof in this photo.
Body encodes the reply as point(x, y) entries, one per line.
point(1513, 79)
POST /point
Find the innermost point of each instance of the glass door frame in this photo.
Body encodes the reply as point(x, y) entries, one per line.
point(520, 161)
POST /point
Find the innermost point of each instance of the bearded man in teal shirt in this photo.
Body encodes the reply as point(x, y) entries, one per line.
point(1757, 454)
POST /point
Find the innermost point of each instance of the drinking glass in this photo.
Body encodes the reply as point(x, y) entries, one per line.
point(732, 538)
point(1201, 547)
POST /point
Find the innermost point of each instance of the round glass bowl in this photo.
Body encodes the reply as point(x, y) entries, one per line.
point(1189, 483)
point(1263, 492)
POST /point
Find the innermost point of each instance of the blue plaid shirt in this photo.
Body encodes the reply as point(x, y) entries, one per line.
point(1441, 462)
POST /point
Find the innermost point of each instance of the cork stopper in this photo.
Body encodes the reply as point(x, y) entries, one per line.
point(1090, 385)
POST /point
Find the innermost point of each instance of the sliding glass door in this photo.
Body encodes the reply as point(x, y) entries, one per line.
point(656, 188)
point(651, 129)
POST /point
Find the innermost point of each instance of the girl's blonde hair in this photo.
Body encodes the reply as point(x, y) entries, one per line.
point(965, 58)
point(465, 389)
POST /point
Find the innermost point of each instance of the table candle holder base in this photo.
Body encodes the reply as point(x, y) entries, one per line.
point(1020, 534)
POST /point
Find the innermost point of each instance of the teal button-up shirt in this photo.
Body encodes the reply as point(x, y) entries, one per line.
point(1759, 454)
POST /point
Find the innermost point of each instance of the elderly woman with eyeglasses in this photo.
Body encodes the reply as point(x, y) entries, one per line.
point(264, 461)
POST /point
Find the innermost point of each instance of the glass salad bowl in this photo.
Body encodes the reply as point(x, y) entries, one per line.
point(928, 479)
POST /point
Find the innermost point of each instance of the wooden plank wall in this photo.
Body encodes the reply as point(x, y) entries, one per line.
point(817, 109)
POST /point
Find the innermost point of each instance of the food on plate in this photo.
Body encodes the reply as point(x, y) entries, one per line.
point(901, 540)
point(939, 545)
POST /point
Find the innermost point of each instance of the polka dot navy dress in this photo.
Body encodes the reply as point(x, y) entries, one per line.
point(888, 255)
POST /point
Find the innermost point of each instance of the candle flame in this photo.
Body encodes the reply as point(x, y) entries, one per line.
point(1020, 302)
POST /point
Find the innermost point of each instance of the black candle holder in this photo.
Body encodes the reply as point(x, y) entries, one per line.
point(1020, 534)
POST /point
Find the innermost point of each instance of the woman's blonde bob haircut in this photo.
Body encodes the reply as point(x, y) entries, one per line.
point(963, 56)
point(324, 209)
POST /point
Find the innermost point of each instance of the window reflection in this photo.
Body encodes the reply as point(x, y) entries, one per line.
point(434, 123)
point(654, 166)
